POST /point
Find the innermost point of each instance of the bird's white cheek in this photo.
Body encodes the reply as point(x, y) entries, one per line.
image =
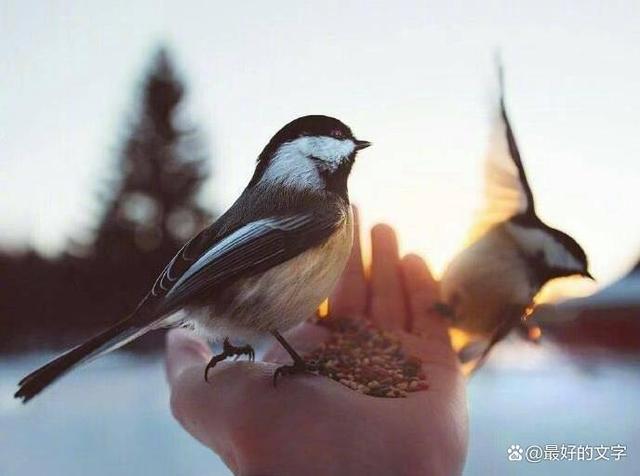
point(557, 256)
point(291, 168)
point(336, 151)
point(534, 241)
point(331, 151)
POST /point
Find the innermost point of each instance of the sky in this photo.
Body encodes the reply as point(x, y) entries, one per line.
point(415, 78)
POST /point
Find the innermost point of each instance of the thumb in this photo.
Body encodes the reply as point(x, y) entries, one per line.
point(184, 351)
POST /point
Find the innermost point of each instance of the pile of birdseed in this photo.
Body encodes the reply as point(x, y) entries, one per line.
point(367, 360)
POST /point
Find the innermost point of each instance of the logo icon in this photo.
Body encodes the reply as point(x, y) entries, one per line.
point(514, 453)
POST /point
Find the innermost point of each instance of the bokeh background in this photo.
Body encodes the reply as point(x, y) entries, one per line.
point(126, 126)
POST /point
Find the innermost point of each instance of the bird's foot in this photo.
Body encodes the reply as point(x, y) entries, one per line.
point(299, 366)
point(229, 350)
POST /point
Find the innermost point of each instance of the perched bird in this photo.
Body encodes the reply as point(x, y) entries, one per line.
point(262, 267)
point(489, 287)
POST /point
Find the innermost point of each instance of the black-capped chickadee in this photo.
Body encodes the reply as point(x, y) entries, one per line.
point(489, 287)
point(262, 267)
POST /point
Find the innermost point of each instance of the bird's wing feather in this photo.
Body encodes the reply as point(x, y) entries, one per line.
point(506, 189)
point(177, 266)
point(251, 249)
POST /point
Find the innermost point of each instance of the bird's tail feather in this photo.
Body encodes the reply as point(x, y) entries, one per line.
point(113, 338)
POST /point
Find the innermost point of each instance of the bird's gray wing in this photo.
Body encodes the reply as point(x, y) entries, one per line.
point(247, 251)
point(506, 188)
point(206, 263)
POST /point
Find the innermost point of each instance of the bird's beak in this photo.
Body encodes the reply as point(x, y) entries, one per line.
point(587, 274)
point(362, 144)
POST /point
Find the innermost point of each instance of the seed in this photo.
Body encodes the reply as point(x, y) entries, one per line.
point(367, 360)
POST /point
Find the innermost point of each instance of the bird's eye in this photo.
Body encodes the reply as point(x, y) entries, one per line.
point(338, 134)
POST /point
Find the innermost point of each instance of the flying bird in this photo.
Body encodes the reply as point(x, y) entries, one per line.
point(488, 289)
point(264, 266)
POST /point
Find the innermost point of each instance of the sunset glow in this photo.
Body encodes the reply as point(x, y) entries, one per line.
point(422, 99)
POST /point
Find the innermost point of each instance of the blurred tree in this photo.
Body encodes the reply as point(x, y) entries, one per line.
point(162, 170)
point(151, 209)
point(154, 207)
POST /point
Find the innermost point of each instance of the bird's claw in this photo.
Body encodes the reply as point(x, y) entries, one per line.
point(229, 350)
point(298, 367)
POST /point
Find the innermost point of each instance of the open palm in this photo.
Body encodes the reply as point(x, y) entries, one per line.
point(313, 425)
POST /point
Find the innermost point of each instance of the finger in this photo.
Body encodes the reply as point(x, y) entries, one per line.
point(184, 351)
point(387, 301)
point(422, 291)
point(350, 295)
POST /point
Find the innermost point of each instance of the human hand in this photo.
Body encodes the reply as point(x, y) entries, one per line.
point(313, 425)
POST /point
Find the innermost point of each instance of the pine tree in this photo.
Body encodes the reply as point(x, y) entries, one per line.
point(151, 210)
point(154, 207)
point(162, 169)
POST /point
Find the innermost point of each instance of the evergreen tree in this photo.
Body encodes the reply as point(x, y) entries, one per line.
point(151, 210)
point(162, 169)
point(154, 208)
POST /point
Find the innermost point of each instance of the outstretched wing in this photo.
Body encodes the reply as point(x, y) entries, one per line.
point(249, 250)
point(507, 191)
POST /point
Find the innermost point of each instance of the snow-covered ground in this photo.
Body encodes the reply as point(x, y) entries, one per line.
point(112, 418)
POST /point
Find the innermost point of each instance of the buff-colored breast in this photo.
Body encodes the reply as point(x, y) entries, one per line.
point(283, 296)
point(484, 281)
